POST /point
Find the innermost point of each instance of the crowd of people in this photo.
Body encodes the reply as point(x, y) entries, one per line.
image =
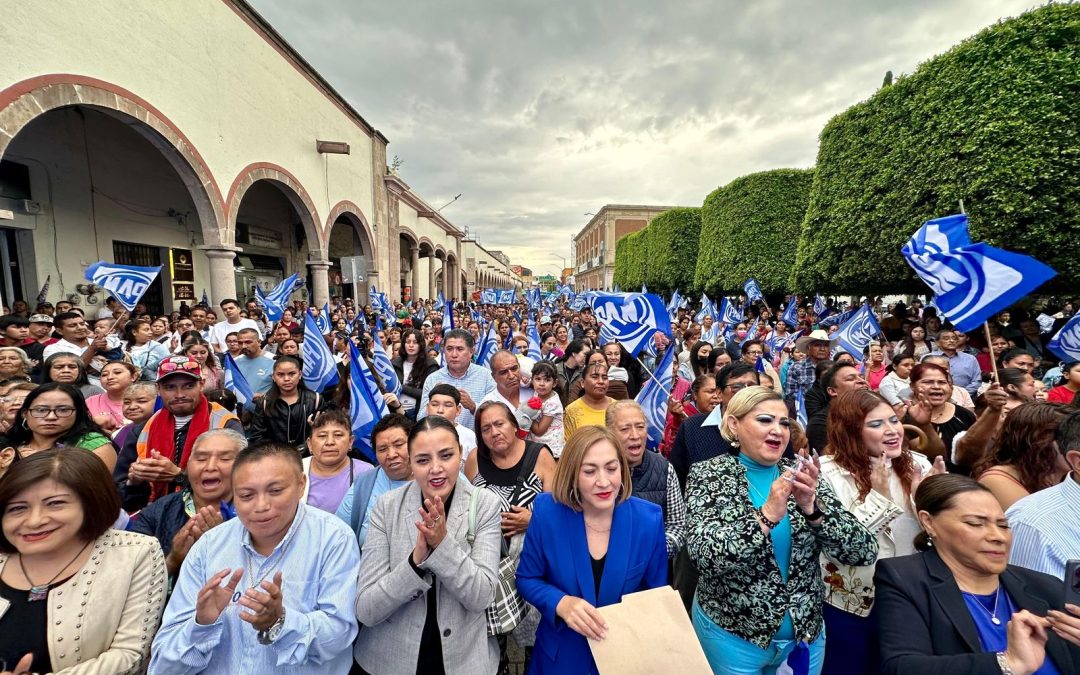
point(912, 509)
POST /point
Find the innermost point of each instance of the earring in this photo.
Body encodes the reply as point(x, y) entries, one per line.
point(574, 494)
point(735, 443)
point(24, 424)
point(929, 540)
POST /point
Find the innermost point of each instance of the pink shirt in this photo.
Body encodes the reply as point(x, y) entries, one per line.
point(100, 404)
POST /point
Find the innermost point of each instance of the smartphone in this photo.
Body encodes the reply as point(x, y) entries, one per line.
point(1072, 582)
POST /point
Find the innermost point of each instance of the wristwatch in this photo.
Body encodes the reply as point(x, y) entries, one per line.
point(815, 514)
point(267, 637)
point(1003, 663)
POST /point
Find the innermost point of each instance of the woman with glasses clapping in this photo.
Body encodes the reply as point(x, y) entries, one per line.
point(55, 415)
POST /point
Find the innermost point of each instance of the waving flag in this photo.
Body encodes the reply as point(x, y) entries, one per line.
point(971, 281)
point(235, 382)
point(488, 346)
point(421, 314)
point(322, 321)
point(753, 291)
point(489, 296)
point(126, 283)
point(319, 371)
point(779, 343)
point(273, 303)
point(205, 301)
point(1066, 343)
point(534, 342)
point(447, 320)
point(729, 313)
point(857, 332)
point(630, 318)
point(643, 289)
point(751, 333)
point(366, 405)
point(708, 308)
point(653, 398)
point(385, 368)
point(837, 319)
point(440, 302)
point(43, 294)
point(375, 298)
point(507, 296)
point(821, 308)
point(711, 335)
point(791, 313)
point(800, 408)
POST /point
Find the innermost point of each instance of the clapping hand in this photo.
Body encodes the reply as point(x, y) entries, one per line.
point(431, 529)
point(265, 605)
point(804, 482)
point(213, 598)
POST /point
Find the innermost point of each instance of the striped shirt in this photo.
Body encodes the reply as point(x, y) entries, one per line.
point(477, 381)
point(1046, 529)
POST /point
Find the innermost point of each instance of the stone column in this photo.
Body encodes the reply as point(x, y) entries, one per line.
point(222, 271)
point(320, 281)
point(414, 251)
point(431, 277)
point(445, 277)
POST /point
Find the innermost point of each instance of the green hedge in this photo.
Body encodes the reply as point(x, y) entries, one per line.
point(994, 121)
point(630, 256)
point(750, 229)
point(672, 249)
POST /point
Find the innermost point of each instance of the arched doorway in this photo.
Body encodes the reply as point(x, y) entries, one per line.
point(409, 263)
point(351, 256)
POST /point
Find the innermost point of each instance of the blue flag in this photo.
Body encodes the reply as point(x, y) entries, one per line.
point(489, 296)
point(708, 308)
point(507, 296)
point(440, 302)
point(488, 346)
point(837, 319)
point(273, 303)
point(971, 281)
point(753, 291)
point(858, 331)
point(759, 365)
point(791, 313)
point(750, 332)
point(821, 308)
point(366, 405)
point(323, 320)
point(320, 370)
point(534, 342)
point(385, 368)
point(422, 313)
point(205, 299)
point(630, 318)
point(126, 283)
point(235, 382)
point(653, 398)
point(1066, 342)
point(447, 320)
point(729, 313)
point(800, 408)
point(375, 299)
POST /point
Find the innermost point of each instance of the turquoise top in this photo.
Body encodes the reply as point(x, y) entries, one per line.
point(761, 477)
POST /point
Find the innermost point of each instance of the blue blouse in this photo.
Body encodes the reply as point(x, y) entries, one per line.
point(994, 637)
point(761, 477)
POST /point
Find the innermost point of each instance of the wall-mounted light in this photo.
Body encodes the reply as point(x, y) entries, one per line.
point(332, 147)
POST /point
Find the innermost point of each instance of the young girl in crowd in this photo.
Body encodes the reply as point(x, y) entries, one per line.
point(548, 428)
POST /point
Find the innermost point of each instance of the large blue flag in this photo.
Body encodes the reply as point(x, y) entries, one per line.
point(440, 302)
point(126, 283)
point(534, 342)
point(273, 303)
point(708, 308)
point(507, 296)
point(489, 296)
point(753, 291)
point(235, 382)
point(630, 318)
point(729, 313)
point(385, 368)
point(366, 405)
point(858, 332)
point(791, 312)
point(971, 281)
point(320, 370)
point(447, 320)
point(821, 308)
point(653, 398)
point(487, 347)
point(1066, 342)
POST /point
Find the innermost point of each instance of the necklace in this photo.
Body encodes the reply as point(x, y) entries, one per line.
point(993, 614)
point(40, 592)
point(597, 529)
point(247, 559)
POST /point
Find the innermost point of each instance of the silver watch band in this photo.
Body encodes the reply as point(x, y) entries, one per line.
point(1003, 663)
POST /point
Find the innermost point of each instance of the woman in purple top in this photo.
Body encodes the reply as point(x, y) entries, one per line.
point(330, 471)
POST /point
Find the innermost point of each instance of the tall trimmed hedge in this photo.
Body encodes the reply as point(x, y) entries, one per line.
point(630, 257)
point(750, 229)
point(994, 121)
point(671, 245)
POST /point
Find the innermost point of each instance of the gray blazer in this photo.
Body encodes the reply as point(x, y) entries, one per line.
point(392, 606)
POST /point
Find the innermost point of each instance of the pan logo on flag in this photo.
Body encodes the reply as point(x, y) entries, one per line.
point(127, 283)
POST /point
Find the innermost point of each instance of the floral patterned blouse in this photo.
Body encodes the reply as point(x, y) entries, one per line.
point(741, 588)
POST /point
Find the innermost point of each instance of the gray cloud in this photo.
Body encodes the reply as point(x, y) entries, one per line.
point(540, 112)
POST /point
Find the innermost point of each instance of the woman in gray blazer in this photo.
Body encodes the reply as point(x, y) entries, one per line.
point(423, 589)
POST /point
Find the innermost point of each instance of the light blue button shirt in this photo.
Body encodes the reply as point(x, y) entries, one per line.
point(319, 561)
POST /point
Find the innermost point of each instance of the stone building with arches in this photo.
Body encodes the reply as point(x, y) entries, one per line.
point(190, 134)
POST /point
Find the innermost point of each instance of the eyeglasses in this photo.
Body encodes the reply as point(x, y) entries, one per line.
point(736, 387)
point(60, 412)
point(754, 353)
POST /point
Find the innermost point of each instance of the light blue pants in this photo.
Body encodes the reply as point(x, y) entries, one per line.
point(729, 654)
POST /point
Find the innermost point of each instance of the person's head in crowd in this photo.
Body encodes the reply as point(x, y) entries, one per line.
point(521, 345)
point(232, 344)
point(842, 377)
point(287, 317)
point(1018, 358)
point(14, 329)
point(12, 402)
point(45, 308)
point(547, 342)
point(457, 349)
point(933, 324)
point(231, 309)
point(705, 392)
point(595, 379)
point(117, 376)
point(862, 432)
point(918, 334)
point(139, 400)
point(626, 420)
point(1070, 374)
point(544, 378)
point(612, 353)
point(844, 358)
point(52, 414)
point(390, 439)
point(1000, 345)
point(796, 353)
point(413, 347)
point(752, 350)
point(575, 354)
point(103, 327)
point(19, 307)
point(593, 474)
point(14, 363)
point(1026, 443)
point(159, 327)
point(435, 457)
point(185, 325)
point(223, 397)
point(330, 439)
point(933, 382)
point(136, 332)
point(180, 385)
point(248, 341)
point(1042, 392)
point(66, 368)
point(718, 358)
point(1018, 384)
point(444, 400)
point(209, 468)
point(71, 327)
point(506, 371)
point(41, 327)
point(200, 350)
point(947, 506)
point(561, 334)
point(733, 378)
point(590, 336)
point(875, 355)
point(496, 429)
point(699, 357)
point(902, 365)
point(63, 306)
point(281, 333)
point(756, 422)
point(286, 380)
point(268, 484)
point(289, 347)
point(1067, 439)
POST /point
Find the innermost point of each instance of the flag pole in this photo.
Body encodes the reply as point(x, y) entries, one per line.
point(653, 377)
point(990, 346)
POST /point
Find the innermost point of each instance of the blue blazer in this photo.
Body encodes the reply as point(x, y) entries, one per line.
point(555, 563)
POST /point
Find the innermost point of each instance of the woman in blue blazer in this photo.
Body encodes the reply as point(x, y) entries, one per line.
point(588, 544)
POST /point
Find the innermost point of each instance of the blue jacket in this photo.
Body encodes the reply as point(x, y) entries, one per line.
point(555, 563)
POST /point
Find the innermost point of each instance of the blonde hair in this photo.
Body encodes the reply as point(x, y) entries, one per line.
point(564, 485)
point(742, 403)
point(617, 406)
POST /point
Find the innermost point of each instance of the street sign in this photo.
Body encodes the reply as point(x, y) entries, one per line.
point(353, 269)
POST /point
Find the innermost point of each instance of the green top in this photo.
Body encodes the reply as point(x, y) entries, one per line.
point(91, 441)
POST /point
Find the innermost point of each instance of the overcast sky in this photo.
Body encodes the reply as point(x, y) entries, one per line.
point(538, 112)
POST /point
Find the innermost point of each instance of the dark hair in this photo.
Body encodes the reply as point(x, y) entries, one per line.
point(223, 397)
point(444, 389)
point(77, 469)
point(695, 357)
point(229, 300)
point(1010, 354)
point(750, 343)
point(921, 370)
point(59, 319)
point(733, 370)
point(544, 368)
point(431, 423)
point(1026, 443)
point(847, 415)
point(211, 360)
point(130, 328)
point(83, 424)
point(481, 446)
point(572, 348)
point(897, 358)
point(1068, 433)
point(421, 366)
point(391, 422)
point(936, 494)
point(328, 417)
point(273, 393)
point(10, 320)
point(1012, 376)
point(254, 453)
point(714, 356)
point(829, 378)
point(460, 334)
point(699, 381)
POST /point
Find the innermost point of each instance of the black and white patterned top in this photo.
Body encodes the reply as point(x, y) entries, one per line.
point(505, 482)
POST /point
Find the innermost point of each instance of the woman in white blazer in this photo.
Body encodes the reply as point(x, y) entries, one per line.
point(423, 589)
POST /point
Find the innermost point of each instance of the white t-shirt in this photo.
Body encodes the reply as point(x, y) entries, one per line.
point(467, 438)
point(223, 328)
point(554, 438)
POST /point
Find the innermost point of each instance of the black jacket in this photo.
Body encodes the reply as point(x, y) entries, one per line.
point(415, 392)
point(284, 423)
point(924, 625)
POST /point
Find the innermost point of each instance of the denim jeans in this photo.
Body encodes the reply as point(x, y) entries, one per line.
point(729, 654)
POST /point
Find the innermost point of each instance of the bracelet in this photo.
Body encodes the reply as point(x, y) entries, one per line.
point(772, 523)
point(1003, 663)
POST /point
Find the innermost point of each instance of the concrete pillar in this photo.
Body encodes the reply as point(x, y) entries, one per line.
point(431, 276)
point(222, 271)
point(445, 277)
point(320, 281)
point(414, 251)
